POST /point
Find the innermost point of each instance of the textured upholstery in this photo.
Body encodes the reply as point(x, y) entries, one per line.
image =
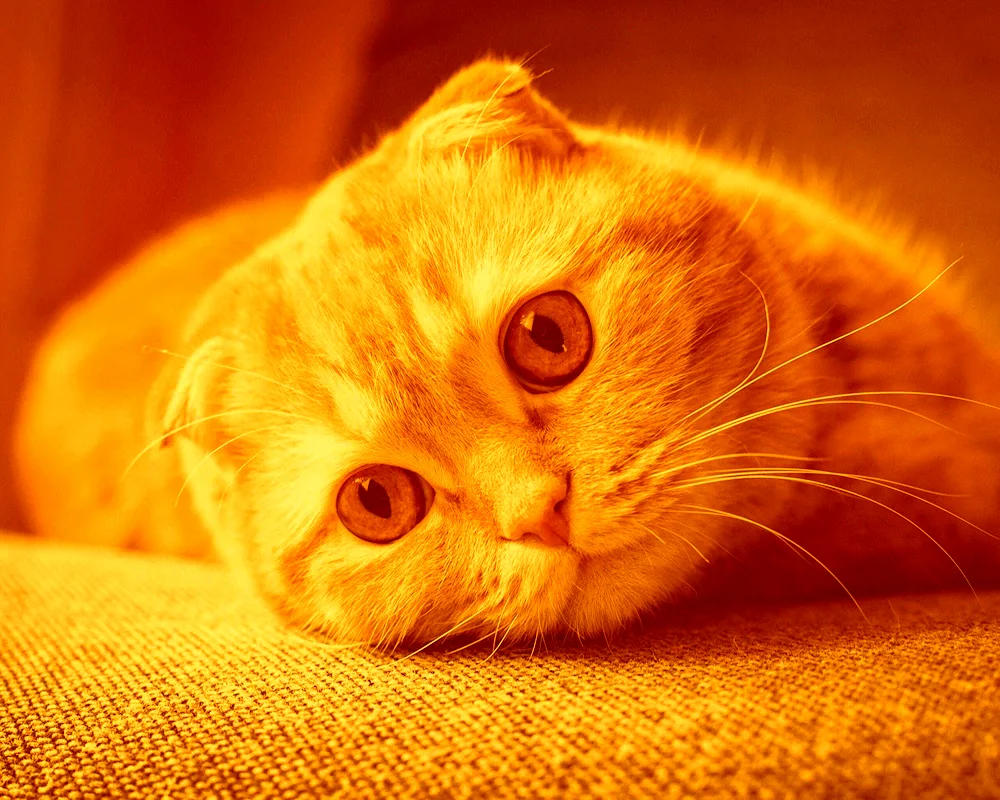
point(125, 675)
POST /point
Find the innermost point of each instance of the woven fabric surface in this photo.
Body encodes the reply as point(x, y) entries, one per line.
point(126, 675)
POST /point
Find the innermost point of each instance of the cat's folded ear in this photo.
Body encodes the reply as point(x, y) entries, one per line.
point(490, 104)
point(181, 402)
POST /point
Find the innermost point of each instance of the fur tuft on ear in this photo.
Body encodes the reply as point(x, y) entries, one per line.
point(182, 395)
point(185, 409)
point(490, 104)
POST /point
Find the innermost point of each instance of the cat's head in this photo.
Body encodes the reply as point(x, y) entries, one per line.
point(464, 392)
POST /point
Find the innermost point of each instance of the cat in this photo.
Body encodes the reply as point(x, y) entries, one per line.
point(510, 375)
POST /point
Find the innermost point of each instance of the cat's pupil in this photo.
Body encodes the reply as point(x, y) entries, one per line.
point(547, 334)
point(375, 498)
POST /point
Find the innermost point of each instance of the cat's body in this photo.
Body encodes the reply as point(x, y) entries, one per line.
point(383, 326)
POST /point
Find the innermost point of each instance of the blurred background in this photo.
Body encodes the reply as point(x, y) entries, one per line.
point(118, 119)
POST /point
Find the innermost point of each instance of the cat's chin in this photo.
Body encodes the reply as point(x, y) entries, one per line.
point(577, 594)
point(547, 594)
point(613, 589)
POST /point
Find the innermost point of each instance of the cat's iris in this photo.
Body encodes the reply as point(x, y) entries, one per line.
point(548, 341)
point(379, 503)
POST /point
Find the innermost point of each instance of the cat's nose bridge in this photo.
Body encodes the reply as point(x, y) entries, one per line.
point(523, 487)
point(540, 513)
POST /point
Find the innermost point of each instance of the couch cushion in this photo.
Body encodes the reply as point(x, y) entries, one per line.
point(134, 675)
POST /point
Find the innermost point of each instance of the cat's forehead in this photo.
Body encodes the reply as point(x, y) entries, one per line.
point(449, 244)
point(459, 223)
point(407, 278)
point(481, 234)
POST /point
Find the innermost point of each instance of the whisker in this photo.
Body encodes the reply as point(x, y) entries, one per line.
point(492, 155)
point(503, 608)
point(935, 395)
point(844, 491)
point(676, 535)
point(688, 508)
point(767, 330)
point(473, 643)
point(437, 639)
point(229, 367)
point(696, 148)
point(711, 404)
point(482, 113)
point(845, 398)
point(208, 418)
point(753, 205)
point(533, 56)
point(750, 379)
point(222, 497)
point(852, 332)
point(207, 456)
point(715, 543)
point(510, 627)
point(646, 550)
point(726, 456)
point(901, 488)
point(886, 483)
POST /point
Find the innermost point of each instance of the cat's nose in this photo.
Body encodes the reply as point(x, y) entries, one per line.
point(544, 516)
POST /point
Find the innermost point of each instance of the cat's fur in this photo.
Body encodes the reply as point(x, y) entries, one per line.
point(365, 330)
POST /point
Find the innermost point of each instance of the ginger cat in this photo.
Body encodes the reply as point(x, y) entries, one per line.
point(508, 374)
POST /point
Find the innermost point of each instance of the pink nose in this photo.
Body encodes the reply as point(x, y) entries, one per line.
point(544, 518)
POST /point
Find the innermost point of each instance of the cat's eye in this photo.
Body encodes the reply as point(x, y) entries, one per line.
point(548, 341)
point(380, 503)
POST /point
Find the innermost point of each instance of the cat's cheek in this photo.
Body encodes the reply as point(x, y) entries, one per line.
point(539, 583)
point(612, 591)
point(342, 587)
point(609, 522)
point(343, 553)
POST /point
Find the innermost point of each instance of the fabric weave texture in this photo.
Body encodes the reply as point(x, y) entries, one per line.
point(126, 675)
